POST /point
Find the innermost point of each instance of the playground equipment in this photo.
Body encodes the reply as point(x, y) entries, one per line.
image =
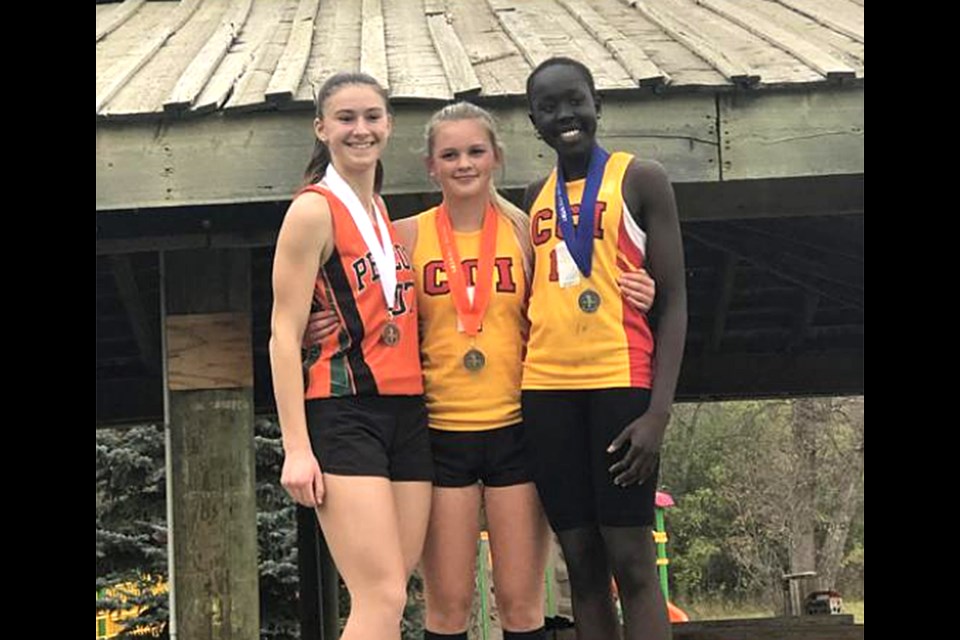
point(662, 502)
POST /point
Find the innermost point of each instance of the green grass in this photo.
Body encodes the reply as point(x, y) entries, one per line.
point(856, 608)
point(723, 609)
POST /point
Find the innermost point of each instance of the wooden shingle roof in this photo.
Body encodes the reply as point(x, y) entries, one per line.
point(196, 56)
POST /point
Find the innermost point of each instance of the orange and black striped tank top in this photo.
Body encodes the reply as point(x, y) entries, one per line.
point(354, 361)
point(569, 348)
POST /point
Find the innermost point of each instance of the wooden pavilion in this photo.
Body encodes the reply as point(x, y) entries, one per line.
point(203, 112)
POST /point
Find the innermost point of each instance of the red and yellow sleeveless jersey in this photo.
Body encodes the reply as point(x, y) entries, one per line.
point(353, 361)
point(458, 399)
point(571, 349)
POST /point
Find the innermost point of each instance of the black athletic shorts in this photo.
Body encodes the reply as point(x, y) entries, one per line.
point(494, 457)
point(371, 436)
point(567, 434)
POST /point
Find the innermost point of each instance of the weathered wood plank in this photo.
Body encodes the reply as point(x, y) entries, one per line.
point(336, 45)
point(213, 507)
point(130, 65)
point(261, 157)
point(251, 89)
point(809, 30)
point(524, 37)
point(790, 628)
point(117, 17)
point(811, 55)
point(643, 70)
point(202, 67)
point(209, 351)
point(682, 65)
point(128, 41)
point(416, 70)
point(830, 15)
point(289, 71)
point(209, 418)
point(240, 57)
point(456, 64)
point(373, 44)
point(792, 133)
point(146, 91)
point(498, 63)
point(692, 37)
point(564, 35)
point(434, 7)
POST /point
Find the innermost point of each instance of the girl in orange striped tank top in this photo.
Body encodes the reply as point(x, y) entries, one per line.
point(357, 451)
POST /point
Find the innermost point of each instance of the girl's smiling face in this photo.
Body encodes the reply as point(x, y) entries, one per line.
point(564, 109)
point(355, 126)
point(463, 157)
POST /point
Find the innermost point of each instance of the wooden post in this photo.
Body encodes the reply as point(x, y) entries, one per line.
point(209, 413)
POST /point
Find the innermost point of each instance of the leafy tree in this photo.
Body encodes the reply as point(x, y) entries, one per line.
point(765, 488)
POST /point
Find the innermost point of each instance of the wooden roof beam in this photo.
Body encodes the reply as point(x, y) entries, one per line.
point(769, 259)
point(847, 273)
point(728, 273)
point(140, 323)
point(814, 57)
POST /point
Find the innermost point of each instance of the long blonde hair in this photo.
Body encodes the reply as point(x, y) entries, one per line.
point(519, 220)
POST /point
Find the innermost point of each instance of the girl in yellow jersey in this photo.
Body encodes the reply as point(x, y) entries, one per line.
point(357, 450)
point(595, 399)
point(471, 256)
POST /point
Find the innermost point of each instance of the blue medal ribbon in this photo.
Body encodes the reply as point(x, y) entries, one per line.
point(579, 238)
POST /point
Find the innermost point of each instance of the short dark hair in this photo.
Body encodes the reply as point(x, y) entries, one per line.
point(558, 61)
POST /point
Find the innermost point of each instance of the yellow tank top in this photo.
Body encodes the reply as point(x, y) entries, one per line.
point(458, 399)
point(569, 348)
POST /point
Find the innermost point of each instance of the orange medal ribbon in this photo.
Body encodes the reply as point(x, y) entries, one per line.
point(470, 315)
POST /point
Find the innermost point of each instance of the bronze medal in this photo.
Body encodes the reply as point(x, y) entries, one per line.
point(589, 301)
point(390, 335)
point(474, 360)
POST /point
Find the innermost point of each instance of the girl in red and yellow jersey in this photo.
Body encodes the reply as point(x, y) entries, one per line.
point(357, 451)
point(596, 393)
